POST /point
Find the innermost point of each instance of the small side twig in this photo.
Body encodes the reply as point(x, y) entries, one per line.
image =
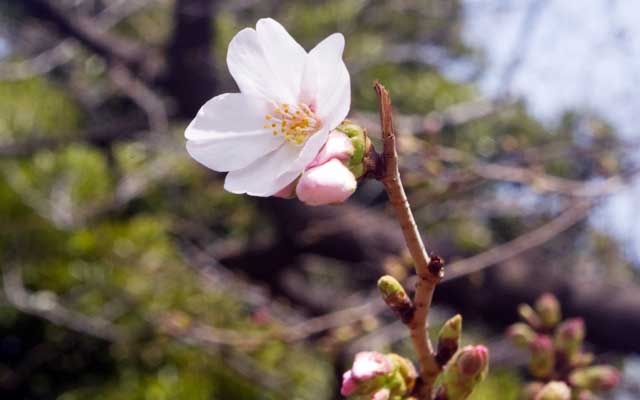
point(428, 269)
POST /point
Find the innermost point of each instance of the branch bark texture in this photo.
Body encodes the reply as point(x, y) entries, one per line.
point(429, 270)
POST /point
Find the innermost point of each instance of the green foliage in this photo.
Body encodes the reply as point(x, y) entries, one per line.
point(499, 384)
point(35, 107)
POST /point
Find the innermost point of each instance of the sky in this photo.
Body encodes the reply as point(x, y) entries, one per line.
point(577, 55)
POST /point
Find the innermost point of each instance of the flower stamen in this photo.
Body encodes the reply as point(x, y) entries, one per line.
point(296, 122)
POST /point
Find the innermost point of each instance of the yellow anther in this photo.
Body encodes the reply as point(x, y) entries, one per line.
point(296, 122)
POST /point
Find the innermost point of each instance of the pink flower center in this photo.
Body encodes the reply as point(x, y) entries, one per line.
point(296, 122)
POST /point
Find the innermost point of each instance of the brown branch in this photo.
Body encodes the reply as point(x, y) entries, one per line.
point(143, 96)
point(429, 271)
point(87, 32)
point(537, 237)
point(538, 180)
point(46, 305)
point(64, 51)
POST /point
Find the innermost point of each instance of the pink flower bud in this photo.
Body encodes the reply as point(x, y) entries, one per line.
point(465, 370)
point(548, 309)
point(598, 377)
point(362, 378)
point(473, 360)
point(328, 183)
point(572, 330)
point(338, 146)
point(569, 337)
point(369, 364)
point(542, 357)
point(349, 384)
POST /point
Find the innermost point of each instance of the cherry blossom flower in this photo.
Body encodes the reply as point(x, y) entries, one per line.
point(289, 100)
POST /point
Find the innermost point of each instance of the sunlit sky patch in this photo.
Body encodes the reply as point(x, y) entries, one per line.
point(577, 55)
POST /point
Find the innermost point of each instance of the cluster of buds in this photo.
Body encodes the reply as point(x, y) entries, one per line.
point(377, 376)
point(463, 372)
point(563, 371)
point(332, 176)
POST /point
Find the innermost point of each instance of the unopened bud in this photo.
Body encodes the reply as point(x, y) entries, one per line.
point(529, 315)
point(449, 339)
point(548, 309)
point(598, 377)
point(396, 298)
point(338, 146)
point(569, 338)
point(361, 145)
point(531, 390)
point(521, 334)
point(329, 183)
point(465, 370)
point(405, 371)
point(376, 376)
point(542, 357)
point(370, 364)
point(554, 390)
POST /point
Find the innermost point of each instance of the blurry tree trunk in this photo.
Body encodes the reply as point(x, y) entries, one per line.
point(191, 77)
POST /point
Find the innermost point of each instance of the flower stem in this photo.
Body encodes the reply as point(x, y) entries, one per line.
point(428, 269)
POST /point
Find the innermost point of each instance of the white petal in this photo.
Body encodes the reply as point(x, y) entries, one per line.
point(263, 177)
point(267, 62)
point(250, 69)
point(229, 112)
point(228, 134)
point(284, 55)
point(326, 83)
point(309, 151)
point(232, 151)
point(269, 174)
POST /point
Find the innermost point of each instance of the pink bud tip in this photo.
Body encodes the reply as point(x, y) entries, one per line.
point(572, 328)
point(328, 183)
point(338, 146)
point(542, 343)
point(349, 384)
point(370, 364)
point(473, 360)
point(610, 381)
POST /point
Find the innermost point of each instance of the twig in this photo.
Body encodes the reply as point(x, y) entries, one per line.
point(143, 96)
point(112, 48)
point(429, 270)
point(572, 215)
point(46, 305)
point(64, 51)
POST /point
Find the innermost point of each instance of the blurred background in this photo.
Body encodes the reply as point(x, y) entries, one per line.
point(128, 273)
